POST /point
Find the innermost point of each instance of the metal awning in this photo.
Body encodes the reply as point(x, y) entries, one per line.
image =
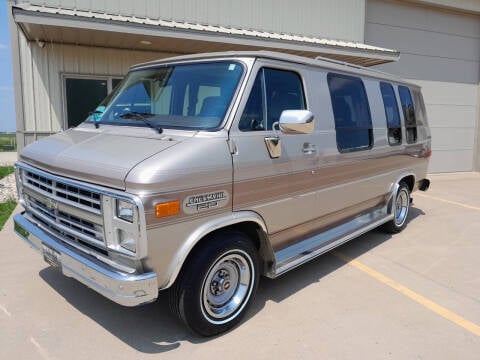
point(70, 26)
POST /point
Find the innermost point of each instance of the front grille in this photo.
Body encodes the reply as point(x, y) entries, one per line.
point(69, 212)
point(66, 193)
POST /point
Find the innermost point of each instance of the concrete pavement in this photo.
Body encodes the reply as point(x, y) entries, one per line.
point(7, 158)
point(326, 309)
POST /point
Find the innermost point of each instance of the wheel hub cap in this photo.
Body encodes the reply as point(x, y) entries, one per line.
point(401, 207)
point(227, 285)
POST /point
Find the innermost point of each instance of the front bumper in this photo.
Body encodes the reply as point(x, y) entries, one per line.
point(124, 289)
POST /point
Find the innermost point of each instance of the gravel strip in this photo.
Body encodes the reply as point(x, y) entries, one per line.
point(8, 188)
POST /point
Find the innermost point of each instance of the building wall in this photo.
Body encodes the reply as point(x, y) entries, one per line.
point(333, 19)
point(42, 72)
point(440, 50)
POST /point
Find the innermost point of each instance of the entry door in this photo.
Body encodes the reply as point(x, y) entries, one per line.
point(277, 188)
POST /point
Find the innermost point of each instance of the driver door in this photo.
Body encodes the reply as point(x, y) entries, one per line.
point(276, 187)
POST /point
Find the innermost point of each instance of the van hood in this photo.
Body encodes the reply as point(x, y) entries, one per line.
point(103, 158)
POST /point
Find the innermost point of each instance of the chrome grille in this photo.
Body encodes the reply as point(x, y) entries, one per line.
point(69, 212)
point(65, 193)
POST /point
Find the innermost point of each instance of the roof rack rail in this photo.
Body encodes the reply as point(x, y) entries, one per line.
point(355, 66)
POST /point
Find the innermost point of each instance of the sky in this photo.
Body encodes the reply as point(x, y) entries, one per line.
point(7, 105)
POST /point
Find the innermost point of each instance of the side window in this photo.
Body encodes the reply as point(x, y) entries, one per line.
point(394, 127)
point(408, 113)
point(254, 113)
point(351, 111)
point(273, 91)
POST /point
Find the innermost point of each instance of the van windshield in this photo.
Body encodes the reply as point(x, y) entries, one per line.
point(185, 96)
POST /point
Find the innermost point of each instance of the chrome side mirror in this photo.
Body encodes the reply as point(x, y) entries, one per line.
point(296, 122)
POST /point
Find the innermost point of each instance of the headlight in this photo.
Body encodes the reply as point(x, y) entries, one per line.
point(125, 210)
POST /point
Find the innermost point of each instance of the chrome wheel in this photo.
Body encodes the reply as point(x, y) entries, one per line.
point(402, 204)
point(227, 286)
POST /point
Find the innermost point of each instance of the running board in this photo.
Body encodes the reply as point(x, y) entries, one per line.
point(297, 254)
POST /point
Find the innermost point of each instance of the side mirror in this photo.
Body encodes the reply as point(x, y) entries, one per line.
point(296, 122)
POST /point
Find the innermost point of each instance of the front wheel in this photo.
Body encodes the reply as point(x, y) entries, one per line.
point(401, 207)
point(216, 284)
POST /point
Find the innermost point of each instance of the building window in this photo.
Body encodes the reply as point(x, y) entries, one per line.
point(394, 127)
point(351, 111)
point(273, 91)
point(83, 94)
point(408, 114)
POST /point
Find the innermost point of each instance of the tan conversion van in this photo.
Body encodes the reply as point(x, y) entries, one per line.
point(200, 173)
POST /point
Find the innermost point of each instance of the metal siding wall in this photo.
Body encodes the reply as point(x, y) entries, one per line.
point(441, 52)
point(42, 81)
point(335, 19)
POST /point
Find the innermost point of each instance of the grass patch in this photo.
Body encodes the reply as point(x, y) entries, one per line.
point(6, 170)
point(8, 142)
point(6, 209)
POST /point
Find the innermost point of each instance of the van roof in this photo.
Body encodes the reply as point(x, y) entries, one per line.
point(322, 62)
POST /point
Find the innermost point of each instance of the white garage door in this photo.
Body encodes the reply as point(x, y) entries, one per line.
point(440, 51)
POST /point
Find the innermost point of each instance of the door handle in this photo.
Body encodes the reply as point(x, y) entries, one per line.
point(309, 149)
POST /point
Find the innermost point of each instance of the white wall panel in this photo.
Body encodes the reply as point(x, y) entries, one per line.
point(446, 115)
point(42, 77)
point(335, 19)
point(437, 92)
point(452, 138)
point(450, 160)
point(440, 51)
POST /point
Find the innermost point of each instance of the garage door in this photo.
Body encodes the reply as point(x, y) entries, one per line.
point(439, 51)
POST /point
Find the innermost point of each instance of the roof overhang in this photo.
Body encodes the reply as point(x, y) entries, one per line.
point(66, 26)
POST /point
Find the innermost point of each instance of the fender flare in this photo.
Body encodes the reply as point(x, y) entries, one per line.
point(203, 230)
point(395, 186)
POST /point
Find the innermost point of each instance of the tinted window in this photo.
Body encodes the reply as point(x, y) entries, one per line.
point(408, 113)
point(281, 89)
point(115, 82)
point(353, 123)
point(394, 127)
point(83, 95)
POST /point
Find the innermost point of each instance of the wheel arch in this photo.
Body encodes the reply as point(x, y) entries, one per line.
point(247, 222)
point(409, 178)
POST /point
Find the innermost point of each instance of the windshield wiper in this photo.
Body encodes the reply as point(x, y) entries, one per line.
point(95, 122)
point(144, 118)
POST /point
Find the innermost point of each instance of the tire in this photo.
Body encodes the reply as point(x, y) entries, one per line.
point(216, 284)
point(400, 210)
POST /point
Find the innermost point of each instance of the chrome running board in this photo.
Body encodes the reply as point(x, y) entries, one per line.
point(297, 254)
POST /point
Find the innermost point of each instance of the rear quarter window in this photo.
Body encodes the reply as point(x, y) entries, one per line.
point(394, 126)
point(408, 114)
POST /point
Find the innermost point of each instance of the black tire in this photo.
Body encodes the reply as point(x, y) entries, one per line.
point(401, 207)
point(223, 268)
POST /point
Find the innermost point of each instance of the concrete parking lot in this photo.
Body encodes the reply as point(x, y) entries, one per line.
point(413, 295)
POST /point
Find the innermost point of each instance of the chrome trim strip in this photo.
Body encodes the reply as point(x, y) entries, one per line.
point(124, 289)
point(296, 255)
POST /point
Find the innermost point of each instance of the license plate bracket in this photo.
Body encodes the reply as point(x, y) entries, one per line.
point(51, 256)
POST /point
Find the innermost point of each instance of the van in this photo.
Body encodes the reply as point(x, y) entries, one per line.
point(200, 173)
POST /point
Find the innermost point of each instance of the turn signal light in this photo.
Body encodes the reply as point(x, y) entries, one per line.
point(167, 208)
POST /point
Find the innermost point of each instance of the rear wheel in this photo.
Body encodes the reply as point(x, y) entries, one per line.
point(217, 284)
point(401, 207)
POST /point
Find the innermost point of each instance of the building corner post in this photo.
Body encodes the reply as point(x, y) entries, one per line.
point(17, 76)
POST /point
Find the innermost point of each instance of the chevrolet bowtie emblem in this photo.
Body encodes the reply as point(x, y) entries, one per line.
point(51, 204)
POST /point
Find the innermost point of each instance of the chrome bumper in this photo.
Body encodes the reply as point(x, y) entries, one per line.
point(124, 289)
